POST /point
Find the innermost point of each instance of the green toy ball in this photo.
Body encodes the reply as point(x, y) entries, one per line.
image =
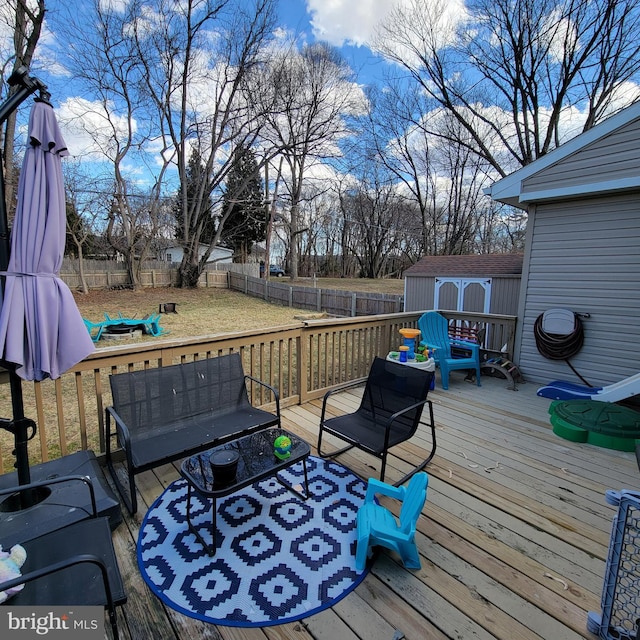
point(282, 447)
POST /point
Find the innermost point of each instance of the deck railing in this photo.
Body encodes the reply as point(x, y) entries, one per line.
point(303, 361)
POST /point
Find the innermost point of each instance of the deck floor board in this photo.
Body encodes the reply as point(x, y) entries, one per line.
point(513, 537)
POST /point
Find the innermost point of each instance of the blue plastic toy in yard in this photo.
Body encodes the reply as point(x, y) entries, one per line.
point(620, 618)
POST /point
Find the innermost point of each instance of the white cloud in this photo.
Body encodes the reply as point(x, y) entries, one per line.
point(347, 21)
point(116, 6)
point(356, 22)
point(89, 128)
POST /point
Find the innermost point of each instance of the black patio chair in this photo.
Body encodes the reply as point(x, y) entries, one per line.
point(72, 566)
point(391, 409)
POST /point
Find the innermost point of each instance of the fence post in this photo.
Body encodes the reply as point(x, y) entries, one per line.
point(354, 304)
point(302, 364)
point(319, 300)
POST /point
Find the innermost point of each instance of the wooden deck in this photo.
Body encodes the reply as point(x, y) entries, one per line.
point(513, 538)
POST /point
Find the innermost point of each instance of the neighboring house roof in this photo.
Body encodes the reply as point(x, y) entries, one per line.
point(510, 189)
point(218, 250)
point(472, 266)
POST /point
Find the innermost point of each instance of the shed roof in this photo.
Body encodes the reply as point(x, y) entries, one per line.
point(472, 266)
point(509, 189)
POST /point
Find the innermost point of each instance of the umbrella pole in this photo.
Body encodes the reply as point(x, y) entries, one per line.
point(19, 425)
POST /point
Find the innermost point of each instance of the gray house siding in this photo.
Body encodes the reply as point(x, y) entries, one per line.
point(584, 255)
point(613, 157)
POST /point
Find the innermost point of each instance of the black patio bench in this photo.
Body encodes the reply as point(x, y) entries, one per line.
point(168, 413)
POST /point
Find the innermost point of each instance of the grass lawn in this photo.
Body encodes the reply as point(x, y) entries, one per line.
point(378, 285)
point(205, 311)
point(199, 311)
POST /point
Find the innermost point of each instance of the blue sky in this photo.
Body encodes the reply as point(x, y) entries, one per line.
point(346, 24)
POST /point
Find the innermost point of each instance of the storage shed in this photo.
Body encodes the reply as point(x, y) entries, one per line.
point(582, 249)
point(475, 283)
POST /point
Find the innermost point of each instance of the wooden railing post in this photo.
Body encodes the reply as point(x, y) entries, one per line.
point(302, 362)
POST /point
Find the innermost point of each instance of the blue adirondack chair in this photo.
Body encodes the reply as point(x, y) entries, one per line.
point(97, 327)
point(150, 324)
point(434, 330)
point(378, 526)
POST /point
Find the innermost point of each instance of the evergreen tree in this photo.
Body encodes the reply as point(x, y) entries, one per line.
point(246, 222)
point(196, 176)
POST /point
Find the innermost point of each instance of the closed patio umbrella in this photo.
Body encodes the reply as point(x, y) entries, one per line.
point(42, 333)
point(41, 329)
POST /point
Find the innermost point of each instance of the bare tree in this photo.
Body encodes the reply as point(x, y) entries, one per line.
point(394, 132)
point(198, 58)
point(165, 77)
point(440, 179)
point(306, 96)
point(511, 71)
point(500, 229)
point(86, 208)
point(373, 221)
point(116, 121)
point(25, 20)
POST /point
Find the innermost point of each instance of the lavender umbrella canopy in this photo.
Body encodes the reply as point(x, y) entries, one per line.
point(41, 329)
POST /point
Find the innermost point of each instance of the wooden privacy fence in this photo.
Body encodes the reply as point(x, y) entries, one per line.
point(243, 278)
point(302, 361)
point(152, 278)
point(335, 302)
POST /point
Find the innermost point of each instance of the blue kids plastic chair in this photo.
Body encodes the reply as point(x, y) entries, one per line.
point(378, 526)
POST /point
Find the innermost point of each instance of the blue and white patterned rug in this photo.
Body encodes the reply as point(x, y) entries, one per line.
point(279, 558)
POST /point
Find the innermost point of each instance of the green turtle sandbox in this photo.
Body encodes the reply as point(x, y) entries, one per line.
point(603, 424)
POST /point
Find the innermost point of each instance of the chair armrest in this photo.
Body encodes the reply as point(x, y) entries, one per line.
point(397, 414)
point(59, 479)
point(126, 436)
point(342, 387)
point(376, 486)
point(273, 390)
point(59, 566)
